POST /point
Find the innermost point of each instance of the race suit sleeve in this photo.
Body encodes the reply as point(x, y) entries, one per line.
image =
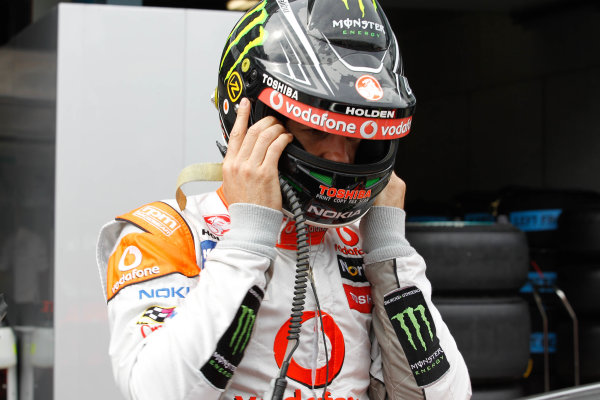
point(198, 346)
point(419, 357)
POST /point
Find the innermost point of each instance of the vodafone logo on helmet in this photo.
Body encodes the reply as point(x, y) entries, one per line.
point(276, 100)
point(369, 88)
point(368, 129)
point(327, 121)
point(130, 252)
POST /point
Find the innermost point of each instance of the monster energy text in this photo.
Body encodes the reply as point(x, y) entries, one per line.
point(393, 299)
point(221, 365)
point(430, 361)
point(358, 23)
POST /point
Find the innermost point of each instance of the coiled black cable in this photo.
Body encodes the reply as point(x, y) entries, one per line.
point(300, 283)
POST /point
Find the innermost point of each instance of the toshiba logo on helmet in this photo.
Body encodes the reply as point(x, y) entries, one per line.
point(343, 193)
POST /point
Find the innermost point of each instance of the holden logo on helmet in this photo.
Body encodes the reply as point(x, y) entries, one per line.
point(369, 88)
point(368, 129)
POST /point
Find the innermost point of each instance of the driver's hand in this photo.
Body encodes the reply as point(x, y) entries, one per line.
point(393, 194)
point(250, 172)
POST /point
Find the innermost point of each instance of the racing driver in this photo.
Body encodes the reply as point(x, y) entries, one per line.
point(312, 102)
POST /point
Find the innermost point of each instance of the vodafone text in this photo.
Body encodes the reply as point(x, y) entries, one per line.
point(332, 122)
point(349, 251)
point(135, 274)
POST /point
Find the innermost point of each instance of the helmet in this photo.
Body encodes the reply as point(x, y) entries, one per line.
point(333, 65)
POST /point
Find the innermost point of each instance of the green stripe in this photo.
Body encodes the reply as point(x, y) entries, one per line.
point(256, 21)
point(328, 180)
point(371, 182)
point(258, 41)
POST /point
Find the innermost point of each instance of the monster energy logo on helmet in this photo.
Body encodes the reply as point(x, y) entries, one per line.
point(248, 33)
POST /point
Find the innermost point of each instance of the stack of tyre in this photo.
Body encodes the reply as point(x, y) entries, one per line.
point(579, 277)
point(537, 213)
point(476, 270)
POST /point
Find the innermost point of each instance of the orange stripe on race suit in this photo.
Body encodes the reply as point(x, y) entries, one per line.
point(140, 257)
point(165, 248)
point(222, 197)
point(161, 219)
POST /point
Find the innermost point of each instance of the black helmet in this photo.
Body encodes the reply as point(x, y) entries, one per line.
point(333, 65)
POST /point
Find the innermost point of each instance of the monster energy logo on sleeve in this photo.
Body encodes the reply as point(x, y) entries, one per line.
point(230, 349)
point(244, 329)
point(410, 313)
point(414, 326)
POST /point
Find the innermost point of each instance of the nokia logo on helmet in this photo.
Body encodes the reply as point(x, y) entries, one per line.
point(332, 214)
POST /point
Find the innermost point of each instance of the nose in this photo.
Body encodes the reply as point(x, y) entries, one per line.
point(335, 148)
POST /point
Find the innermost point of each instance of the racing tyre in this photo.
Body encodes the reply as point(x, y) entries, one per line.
point(492, 335)
point(471, 257)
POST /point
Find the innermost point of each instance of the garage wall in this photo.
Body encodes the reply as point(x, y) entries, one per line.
point(132, 110)
point(502, 100)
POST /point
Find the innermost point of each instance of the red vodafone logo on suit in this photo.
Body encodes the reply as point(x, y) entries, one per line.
point(336, 358)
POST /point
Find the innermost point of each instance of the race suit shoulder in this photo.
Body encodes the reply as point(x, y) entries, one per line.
point(199, 307)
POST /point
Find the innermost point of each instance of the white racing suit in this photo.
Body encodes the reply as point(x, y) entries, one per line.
point(199, 307)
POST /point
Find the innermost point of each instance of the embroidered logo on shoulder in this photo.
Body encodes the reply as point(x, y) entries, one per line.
point(158, 218)
point(140, 257)
point(218, 224)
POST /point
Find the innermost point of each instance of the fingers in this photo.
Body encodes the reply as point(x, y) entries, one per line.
point(258, 142)
point(238, 132)
point(272, 157)
point(394, 193)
